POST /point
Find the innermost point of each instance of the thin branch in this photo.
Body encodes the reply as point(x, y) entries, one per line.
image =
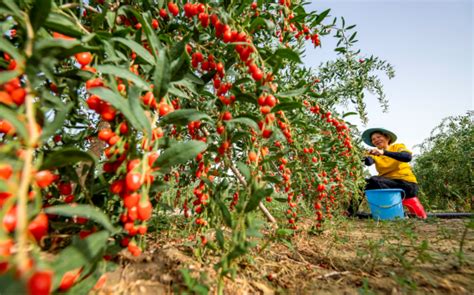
point(244, 183)
point(333, 274)
point(21, 227)
point(75, 5)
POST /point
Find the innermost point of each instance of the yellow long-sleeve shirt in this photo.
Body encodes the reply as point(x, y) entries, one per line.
point(394, 169)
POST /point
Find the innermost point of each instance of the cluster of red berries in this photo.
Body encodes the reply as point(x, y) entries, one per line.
point(224, 32)
point(12, 94)
point(341, 128)
point(195, 133)
point(137, 206)
point(162, 107)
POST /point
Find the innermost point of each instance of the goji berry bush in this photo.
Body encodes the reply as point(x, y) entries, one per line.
point(106, 107)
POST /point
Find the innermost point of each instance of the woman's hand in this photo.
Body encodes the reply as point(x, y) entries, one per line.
point(376, 152)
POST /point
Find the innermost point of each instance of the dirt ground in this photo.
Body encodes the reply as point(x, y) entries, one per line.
point(349, 257)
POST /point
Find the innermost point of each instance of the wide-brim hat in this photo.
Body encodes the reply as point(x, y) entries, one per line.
point(367, 134)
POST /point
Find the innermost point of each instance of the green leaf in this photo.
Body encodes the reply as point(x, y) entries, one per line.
point(261, 22)
point(193, 78)
point(50, 43)
point(184, 116)
point(320, 18)
point(11, 284)
point(253, 232)
point(162, 75)
point(137, 110)
point(292, 93)
point(220, 238)
point(137, 48)
point(119, 103)
point(39, 12)
point(62, 24)
point(180, 153)
point(61, 48)
point(87, 211)
point(273, 179)
point(244, 97)
point(282, 200)
point(11, 5)
point(471, 223)
point(178, 48)
point(173, 90)
point(286, 106)
point(187, 84)
point(12, 118)
point(6, 76)
point(7, 47)
point(151, 35)
point(237, 251)
point(284, 232)
point(79, 254)
point(225, 213)
point(349, 114)
point(3, 185)
point(50, 101)
point(125, 74)
point(246, 121)
point(188, 280)
point(242, 81)
point(57, 123)
point(110, 17)
point(66, 157)
point(244, 170)
point(288, 53)
point(76, 74)
point(256, 197)
point(340, 49)
point(179, 67)
point(85, 286)
point(352, 36)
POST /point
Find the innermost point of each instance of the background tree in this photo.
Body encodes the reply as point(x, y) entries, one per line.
point(444, 166)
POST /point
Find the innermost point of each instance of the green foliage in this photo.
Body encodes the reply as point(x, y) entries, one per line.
point(86, 211)
point(193, 285)
point(444, 166)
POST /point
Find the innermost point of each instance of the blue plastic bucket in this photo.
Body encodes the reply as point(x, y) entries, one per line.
point(385, 204)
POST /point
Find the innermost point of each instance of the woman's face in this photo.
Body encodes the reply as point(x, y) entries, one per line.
point(379, 140)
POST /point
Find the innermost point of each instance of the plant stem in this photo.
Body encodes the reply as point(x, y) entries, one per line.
point(22, 214)
point(220, 285)
point(75, 5)
point(31, 142)
point(461, 245)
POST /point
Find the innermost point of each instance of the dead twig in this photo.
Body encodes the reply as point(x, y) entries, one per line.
point(334, 274)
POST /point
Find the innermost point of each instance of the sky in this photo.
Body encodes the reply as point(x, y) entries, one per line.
point(429, 43)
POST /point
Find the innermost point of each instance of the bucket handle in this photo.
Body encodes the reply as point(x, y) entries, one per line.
point(389, 206)
point(384, 207)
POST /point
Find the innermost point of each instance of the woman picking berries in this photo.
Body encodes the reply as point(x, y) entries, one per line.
point(391, 162)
